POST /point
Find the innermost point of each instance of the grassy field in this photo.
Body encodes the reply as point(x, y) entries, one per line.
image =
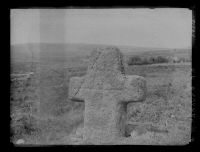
point(168, 104)
point(42, 113)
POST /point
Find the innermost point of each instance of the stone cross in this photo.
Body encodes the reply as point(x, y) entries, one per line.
point(106, 91)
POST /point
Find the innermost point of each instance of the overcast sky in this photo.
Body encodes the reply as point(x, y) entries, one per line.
point(162, 28)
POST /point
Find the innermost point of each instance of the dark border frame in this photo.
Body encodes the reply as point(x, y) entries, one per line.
point(81, 4)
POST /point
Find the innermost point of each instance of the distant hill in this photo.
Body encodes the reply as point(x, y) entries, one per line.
point(45, 51)
point(61, 52)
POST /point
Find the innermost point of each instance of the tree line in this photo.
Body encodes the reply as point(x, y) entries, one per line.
point(137, 60)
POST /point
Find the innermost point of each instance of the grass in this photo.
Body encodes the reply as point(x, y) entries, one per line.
point(168, 103)
point(54, 118)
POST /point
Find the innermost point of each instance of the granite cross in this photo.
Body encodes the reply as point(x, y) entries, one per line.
point(106, 91)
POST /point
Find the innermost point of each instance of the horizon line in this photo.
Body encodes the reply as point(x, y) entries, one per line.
point(188, 47)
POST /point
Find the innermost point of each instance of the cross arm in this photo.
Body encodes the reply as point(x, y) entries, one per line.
point(74, 87)
point(134, 89)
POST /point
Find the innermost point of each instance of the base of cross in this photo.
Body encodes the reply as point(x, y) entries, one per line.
point(149, 138)
point(170, 137)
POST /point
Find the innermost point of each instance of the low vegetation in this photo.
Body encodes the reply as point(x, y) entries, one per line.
point(137, 60)
point(42, 113)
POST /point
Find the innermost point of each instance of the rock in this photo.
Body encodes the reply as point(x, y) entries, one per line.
point(20, 141)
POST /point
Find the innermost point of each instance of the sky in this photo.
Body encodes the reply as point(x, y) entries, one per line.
point(160, 28)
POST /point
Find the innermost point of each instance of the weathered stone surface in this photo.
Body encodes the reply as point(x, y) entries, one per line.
point(74, 86)
point(106, 91)
point(134, 89)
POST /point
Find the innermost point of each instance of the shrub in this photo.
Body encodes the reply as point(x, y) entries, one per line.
point(136, 60)
point(161, 59)
point(151, 60)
